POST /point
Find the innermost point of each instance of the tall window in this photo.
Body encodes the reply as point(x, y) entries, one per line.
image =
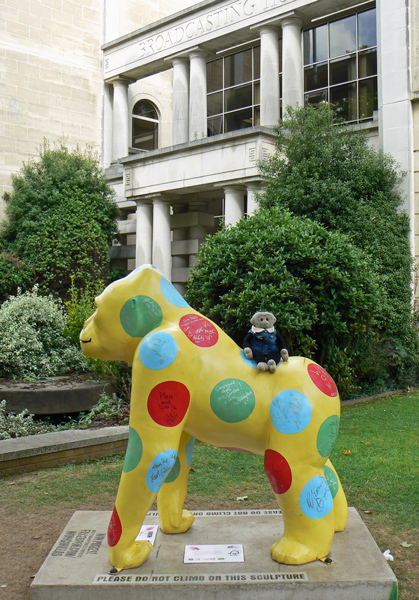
point(340, 65)
point(233, 86)
point(145, 126)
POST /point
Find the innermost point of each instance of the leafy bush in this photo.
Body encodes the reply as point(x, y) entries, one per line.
point(328, 172)
point(14, 273)
point(110, 410)
point(320, 287)
point(20, 425)
point(33, 344)
point(61, 218)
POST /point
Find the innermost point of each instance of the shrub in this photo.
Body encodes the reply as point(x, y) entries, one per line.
point(14, 273)
point(328, 172)
point(320, 287)
point(33, 344)
point(20, 425)
point(61, 218)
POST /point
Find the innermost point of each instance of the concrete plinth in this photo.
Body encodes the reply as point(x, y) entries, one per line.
point(78, 565)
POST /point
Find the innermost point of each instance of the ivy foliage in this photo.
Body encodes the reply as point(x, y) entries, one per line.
point(61, 218)
point(14, 273)
point(321, 288)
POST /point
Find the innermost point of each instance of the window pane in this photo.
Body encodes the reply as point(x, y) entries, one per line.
point(367, 29)
point(315, 77)
point(145, 109)
point(315, 45)
point(215, 75)
point(238, 68)
point(256, 99)
point(257, 116)
point(344, 100)
point(342, 70)
point(215, 126)
point(368, 102)
point(144, 134)
point(367, 63)
point(256, 62)
point(343, 36)
point(240, 119)
point(238, 97)
point(316, 98)
point(215, 103)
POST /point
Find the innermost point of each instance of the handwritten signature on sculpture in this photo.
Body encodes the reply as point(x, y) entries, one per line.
point(161, 469)
point(317, 497)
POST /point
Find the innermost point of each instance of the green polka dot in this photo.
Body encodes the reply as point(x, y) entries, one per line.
point(174, 473)
point(332, 480)
point(140, 315)
point(232, 400)
point(327, 435)
point(134, 451)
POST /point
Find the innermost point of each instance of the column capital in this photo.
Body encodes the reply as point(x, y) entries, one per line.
point(291, 20)
point(120, 80)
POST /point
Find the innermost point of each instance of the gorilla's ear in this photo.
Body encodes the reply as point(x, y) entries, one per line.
point(253, 319)
point(273, 319)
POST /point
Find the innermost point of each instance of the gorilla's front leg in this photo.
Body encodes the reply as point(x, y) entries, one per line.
point(148, 461)
point(170, 499)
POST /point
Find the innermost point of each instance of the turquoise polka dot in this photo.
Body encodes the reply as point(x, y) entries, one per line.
point(140, 315)
point(249, 362)
point(171, 294)
point(290, 412)
point(160, 469)
point(158, 350)
point(134, 451)
point(327, 435)
point(316, 500)
point(232, 400)
point(174, 473)
point(332, 480)
point(189, 450)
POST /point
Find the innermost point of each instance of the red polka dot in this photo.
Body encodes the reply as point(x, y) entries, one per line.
point(114, 529)
point(322, 380)
point(168, 403)
point(278, 471)
point(199, 331)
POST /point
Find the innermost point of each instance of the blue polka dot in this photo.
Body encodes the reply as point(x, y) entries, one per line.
point(171, 294)
point(250, 362)
point(290, 412)
point(316, 500)
point(160, 469)
point(189, 450)
point(158, 350)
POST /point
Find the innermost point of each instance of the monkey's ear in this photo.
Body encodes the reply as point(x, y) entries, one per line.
point(273, 319)
point(253, 319)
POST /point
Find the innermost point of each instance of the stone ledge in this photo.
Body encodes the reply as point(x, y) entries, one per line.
point(52, 449)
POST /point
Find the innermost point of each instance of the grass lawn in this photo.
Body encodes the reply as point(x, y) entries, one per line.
point(376, 456)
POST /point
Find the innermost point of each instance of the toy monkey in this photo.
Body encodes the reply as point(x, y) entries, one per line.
point(263, 343)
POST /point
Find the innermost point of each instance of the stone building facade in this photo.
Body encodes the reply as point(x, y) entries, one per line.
point(180, 99)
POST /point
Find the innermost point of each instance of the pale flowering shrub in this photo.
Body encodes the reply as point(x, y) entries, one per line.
point(23, 424)
point(32, 339)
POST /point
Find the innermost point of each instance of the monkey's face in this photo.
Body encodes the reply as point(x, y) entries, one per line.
point(263, 320)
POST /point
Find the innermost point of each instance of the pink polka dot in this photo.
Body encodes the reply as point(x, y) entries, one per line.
point(114, 529)
point(199, 331)
point(322, 380)
point(168, 403)
point(278, 471)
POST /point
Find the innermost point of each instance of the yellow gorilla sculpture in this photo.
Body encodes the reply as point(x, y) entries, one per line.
point(190, 380)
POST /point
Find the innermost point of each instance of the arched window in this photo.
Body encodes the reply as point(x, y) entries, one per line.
point(145, 126)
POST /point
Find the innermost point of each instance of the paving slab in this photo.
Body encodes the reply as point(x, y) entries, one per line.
point(78, 565)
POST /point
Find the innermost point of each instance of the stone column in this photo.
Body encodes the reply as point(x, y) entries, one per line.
point(292, 63)
point(252, 204)
point(162, 255)
point(269, 76)
point(144, 237)
point(180, 101)
point(233, 204)
point(198, 96)
point(107, 125)
point(120, 119)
